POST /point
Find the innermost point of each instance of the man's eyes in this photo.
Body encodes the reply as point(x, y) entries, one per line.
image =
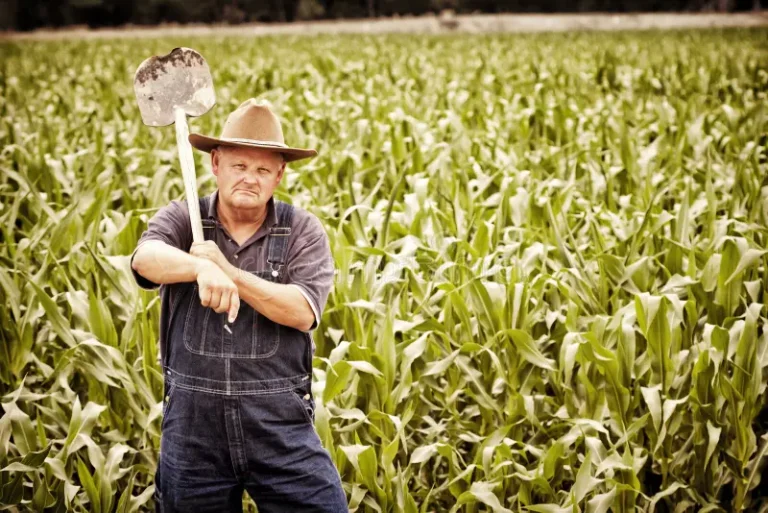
point(261, 170)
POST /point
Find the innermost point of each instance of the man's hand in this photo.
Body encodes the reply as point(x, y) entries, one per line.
point(210, 251)
point(217, 290)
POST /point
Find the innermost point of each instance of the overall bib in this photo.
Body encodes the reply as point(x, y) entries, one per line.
point(239, 409)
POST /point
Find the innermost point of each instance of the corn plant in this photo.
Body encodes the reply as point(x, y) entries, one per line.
point(551, 254)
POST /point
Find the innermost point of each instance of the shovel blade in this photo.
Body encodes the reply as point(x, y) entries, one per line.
point(181, 79)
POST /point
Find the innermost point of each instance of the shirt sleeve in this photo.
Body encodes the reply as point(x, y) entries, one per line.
point(171, 225)
point(310, 267)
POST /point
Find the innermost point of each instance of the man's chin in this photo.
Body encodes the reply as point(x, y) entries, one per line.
point(246, 201)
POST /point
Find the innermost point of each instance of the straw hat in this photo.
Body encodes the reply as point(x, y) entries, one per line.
point(252, 125)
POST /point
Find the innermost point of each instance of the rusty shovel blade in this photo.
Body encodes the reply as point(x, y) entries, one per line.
point(181, 79)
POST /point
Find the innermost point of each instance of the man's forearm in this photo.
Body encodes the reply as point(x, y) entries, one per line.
point(161, 263)
point(282, 304)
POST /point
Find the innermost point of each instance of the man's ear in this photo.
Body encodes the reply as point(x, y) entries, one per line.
point(215, 155)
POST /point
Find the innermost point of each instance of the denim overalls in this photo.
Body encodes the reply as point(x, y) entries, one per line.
point(239, 409)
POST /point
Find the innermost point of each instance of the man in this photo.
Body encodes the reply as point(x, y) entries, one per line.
point(235, 342)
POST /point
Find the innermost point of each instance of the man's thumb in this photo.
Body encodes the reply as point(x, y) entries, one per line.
point(234, 306)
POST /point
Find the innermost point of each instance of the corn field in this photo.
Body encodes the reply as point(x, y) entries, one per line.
point(551, 255)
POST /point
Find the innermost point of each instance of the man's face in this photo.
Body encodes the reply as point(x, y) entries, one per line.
point(246, 177)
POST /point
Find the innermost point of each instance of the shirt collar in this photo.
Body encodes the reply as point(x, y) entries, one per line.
point(270, 221)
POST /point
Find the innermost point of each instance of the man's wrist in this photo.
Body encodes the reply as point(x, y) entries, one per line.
point(232, 272)
point(201, 264)
point(237, 275)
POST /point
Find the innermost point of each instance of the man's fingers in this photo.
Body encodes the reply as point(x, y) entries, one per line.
point(205, 296)
point(199, 252)
point(215, 298)
point(224, 303)
point(234, 306)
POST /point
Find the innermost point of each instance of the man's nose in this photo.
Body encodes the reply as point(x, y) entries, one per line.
point(251, 178)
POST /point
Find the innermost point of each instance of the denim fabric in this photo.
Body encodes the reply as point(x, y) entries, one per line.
point(239, 409)
point(215, 446)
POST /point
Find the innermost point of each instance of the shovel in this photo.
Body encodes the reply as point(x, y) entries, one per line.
point(169, 88)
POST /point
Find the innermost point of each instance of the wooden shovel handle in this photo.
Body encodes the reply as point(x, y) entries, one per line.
point(188, 172)
point(190, 179)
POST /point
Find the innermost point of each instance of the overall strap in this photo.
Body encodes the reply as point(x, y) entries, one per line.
point(208, 224)
point(278, 237)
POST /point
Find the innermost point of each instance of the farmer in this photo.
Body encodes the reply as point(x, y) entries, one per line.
point(235, 333)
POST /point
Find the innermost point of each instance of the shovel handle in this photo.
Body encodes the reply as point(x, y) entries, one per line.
point(190, 179)
point(188, 172)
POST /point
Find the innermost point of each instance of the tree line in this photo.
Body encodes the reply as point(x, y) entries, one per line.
point(32, 14)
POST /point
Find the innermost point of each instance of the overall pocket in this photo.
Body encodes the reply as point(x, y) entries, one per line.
point(208, 333)
point(170, 388)
point(306, 402)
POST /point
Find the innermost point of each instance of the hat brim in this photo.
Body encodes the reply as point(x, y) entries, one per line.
point(206, 144)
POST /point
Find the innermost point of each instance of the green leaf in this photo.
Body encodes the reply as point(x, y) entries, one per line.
point(59, 324)
point(30, 462)
point(337, 378)
point(670, 490)
point(585, 483)
point(550, 508)
point(713, 438)
point(365, 367)
point(101, 321)
point(90, 487)
point(528, 350)
point(748, 259)
point(482, 492)
point(653, 400)
point(601, 503)
point(23, 431)
point(423, 453)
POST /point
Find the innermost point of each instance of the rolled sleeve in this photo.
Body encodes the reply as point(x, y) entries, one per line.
point(171, 225)
point(310, 267)
point(311, 305)
point(141, 281)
